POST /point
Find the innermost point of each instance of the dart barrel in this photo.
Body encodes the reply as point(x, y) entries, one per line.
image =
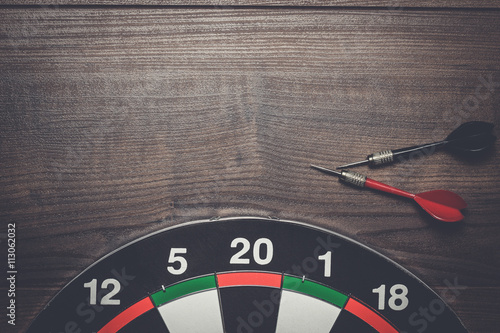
point(353, 177)
point(382, 157)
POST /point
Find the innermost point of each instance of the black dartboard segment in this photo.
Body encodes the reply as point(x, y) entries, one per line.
point(245, 275)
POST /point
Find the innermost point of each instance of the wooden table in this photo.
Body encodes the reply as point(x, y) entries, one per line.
point(120, 119)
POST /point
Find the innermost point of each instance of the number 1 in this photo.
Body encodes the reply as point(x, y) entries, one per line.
point(327, 257)
point(381, 296)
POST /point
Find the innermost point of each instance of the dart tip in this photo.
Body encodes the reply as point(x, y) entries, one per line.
point(352, 164)
point(329, 171)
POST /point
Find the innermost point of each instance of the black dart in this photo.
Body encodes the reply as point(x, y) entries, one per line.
point(469, 138)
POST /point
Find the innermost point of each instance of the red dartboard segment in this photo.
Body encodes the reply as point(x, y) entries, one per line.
point(368, 315)
point(127, 316)
point(249, 279)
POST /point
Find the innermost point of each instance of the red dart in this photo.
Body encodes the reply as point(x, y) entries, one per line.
point(440, 204)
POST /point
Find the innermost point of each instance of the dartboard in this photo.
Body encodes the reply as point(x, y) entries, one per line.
point(246, 275)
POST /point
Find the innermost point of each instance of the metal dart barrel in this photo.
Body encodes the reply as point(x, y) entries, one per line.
point(350, 177)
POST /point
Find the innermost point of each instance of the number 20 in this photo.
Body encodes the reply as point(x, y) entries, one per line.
point(257, 255)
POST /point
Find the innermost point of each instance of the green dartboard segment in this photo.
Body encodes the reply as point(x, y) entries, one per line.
point(314, 289)
point(183, 289)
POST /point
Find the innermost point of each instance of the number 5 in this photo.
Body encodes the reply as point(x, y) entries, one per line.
point(176, 258)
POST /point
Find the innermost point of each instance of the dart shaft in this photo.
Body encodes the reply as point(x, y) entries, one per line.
point(373, 184)
point(360, 180)
point(412, 151)
point(389, 156)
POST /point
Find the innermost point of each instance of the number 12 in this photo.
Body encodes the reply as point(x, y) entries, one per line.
point(108, 298)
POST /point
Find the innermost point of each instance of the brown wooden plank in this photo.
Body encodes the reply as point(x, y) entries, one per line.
point(394, 5)
point(119, 122)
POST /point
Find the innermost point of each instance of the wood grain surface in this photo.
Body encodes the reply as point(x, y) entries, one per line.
point(386, 4)
point(119, 121)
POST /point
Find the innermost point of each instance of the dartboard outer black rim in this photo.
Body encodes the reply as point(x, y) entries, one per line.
point(246, 275)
